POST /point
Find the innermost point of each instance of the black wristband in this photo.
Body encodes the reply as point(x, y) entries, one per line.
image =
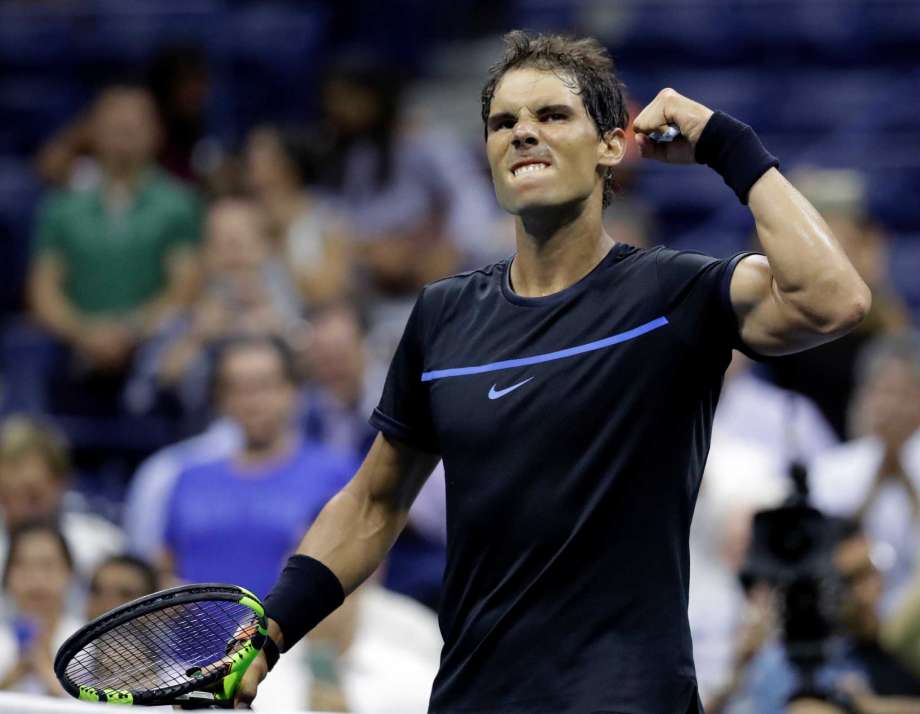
point(735, 152)
point(305, 594)
point(271, 652)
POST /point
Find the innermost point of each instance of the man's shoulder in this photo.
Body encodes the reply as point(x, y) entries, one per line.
point(65, 204)
point(666, 256)
point(202, 473)
point(462, 288)
point(170, 191)
point(459, 281)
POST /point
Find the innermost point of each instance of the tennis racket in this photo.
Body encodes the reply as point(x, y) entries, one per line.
point(188, 645)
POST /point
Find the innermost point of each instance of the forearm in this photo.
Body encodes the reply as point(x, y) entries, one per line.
point(55, 313)
point(352, 536)
point(811, 274)
point(349, 539)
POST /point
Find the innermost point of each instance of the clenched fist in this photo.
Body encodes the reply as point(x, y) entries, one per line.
point(671, 108)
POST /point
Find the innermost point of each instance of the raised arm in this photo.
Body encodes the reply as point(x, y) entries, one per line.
point(355, 530)
point(805, 291)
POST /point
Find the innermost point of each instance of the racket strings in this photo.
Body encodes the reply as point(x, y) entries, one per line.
point(195, 641)
point(163, 648)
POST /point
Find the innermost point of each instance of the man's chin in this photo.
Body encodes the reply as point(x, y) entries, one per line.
point(259, 439)
point(533, 204)
point(544, 208)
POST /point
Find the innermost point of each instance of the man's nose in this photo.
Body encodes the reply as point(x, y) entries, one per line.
point(524, 134)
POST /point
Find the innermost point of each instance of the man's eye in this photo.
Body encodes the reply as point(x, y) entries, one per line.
point(506, 124)
point(557, 116)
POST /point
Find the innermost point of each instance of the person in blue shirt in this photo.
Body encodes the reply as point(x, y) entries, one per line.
point(236, 519)
point(570, 391)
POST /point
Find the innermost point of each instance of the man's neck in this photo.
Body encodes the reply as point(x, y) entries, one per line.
point(122, 179)
point(258, 454)
point(556, 250)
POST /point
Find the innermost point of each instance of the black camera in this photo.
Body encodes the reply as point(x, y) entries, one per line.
point(792, 550)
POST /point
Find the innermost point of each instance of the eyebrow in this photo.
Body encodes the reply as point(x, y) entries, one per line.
point(555, 109)
point(496, 119)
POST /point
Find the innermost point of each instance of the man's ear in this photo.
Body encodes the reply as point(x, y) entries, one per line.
point(611, 148)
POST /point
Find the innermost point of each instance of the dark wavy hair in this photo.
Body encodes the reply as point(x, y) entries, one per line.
point(583, 62)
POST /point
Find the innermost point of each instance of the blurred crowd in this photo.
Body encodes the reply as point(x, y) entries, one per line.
point(250, 300)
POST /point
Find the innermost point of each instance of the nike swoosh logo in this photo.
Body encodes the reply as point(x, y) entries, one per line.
point(499, 393)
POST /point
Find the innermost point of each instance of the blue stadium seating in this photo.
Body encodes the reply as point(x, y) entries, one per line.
point(825, 83)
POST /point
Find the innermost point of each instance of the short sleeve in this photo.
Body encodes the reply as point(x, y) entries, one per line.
point(696, 290)
point(185, 228)
point(48, 226)
point(404, 411)
point(171, 524)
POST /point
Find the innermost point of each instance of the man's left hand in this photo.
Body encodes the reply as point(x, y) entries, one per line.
point(671, 108)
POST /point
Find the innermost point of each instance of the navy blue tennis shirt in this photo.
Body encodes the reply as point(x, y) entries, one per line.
point(574, 429)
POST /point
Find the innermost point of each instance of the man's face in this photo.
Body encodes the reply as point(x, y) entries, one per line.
point(125, 128)
point(38, 576)
point(889, 404)
point(115, 584)
point(863, 586)
point(256, 393)
point(350, 108)
point(543, 147)
point(29, 490)
point(235, 239)
point(336, 354)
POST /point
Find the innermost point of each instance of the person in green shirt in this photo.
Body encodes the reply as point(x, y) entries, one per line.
point(112, 263)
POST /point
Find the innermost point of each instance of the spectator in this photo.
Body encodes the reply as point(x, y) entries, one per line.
point(114, 262)
point(150, 490)
point(34, 477)
point(179, 81)
point(179, 84)
point(281, 170)
point(858, 660)
point(345, 380)
point(826, 374)
point(875, 477)
point(117, 580)
point(418, 202)
point(36, 580)
point(236, 519)
point(245, 292)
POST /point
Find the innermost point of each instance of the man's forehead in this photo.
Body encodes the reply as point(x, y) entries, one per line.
point(534, 88)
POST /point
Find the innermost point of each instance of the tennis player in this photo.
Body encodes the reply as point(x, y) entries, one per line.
point(570, 392)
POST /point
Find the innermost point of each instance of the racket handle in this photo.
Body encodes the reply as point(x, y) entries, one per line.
point(666, 136)
point(195, 700)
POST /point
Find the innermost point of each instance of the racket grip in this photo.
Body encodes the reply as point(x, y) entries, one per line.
point(239, 663)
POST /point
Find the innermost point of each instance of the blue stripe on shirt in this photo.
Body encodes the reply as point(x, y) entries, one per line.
point(549, 356)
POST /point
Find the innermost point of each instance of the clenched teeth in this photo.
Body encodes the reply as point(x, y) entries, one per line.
point(529, 169)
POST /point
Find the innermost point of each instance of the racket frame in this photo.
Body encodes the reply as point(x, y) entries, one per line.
point(227, 679)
